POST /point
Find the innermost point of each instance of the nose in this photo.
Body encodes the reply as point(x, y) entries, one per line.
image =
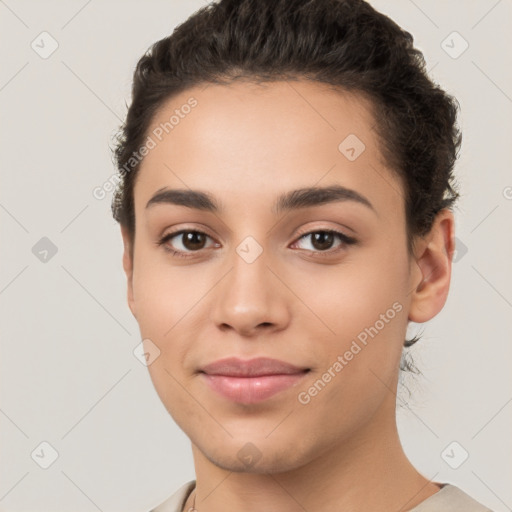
point(251, 299)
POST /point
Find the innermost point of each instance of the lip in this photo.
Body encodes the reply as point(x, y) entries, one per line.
point(257, 367)
point(251, 381)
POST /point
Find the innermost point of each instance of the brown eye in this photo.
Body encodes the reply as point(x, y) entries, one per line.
point(322, 241)
point(193, 240)
point(185, 242)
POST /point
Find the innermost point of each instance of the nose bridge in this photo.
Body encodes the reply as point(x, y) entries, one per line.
point(249, 277)
point(249, 295)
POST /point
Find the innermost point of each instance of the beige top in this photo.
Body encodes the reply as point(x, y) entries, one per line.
point(448, 499)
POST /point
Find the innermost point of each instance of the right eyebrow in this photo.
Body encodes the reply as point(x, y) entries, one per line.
point(189, 198)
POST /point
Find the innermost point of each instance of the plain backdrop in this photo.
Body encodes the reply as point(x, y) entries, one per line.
point(69, 377)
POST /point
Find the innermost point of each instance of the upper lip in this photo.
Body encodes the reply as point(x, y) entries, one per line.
point(260, 366)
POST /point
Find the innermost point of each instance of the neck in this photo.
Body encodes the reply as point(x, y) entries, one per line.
point(367, 471)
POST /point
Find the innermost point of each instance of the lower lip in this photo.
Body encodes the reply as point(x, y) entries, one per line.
point(250, 390)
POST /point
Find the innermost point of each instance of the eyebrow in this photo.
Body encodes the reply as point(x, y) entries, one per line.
point(292, 200)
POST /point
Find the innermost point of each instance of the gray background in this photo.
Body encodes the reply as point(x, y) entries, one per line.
point(68, 373)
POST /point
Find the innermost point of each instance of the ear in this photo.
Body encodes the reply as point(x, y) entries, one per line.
point(432, 268)
point(128, 267)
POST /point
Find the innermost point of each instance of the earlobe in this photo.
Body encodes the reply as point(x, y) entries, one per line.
point(433, 258)
point(128, 267)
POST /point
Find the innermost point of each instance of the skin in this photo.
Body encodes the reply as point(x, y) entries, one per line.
point(246, 144)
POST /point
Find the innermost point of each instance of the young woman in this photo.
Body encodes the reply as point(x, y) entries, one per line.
point(285, 207)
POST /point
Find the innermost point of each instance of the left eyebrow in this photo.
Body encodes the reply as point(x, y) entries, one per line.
point(315, 196)
point(292, 200)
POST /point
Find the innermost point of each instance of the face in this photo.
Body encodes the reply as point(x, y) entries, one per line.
point(320, 281)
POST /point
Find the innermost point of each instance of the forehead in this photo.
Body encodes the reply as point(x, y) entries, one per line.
point(261, 140)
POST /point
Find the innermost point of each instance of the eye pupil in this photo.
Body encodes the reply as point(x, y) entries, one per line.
point(190, 240)
point(324, 238)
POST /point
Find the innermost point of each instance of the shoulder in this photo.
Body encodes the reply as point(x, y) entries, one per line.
point(450, 499)
point(176, 502)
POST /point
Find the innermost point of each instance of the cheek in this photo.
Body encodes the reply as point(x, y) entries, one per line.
point(163, 293)
point(362, 308)
point(169, 302)
point(173, 389)
point(345, 299)
point(165, 299)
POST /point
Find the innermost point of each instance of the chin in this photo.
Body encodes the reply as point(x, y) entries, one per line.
point(256, 458)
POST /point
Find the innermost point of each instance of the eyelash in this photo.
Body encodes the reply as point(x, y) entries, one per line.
point(345, 239)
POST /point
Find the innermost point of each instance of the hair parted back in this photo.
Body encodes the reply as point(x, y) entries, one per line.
point(346, 44)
